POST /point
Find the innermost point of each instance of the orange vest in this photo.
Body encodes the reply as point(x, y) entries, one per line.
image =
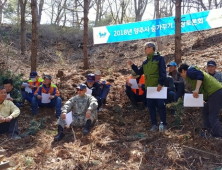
point(141, 81)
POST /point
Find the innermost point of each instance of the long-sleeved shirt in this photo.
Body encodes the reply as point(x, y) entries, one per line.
point(79, 105)
point(52, 90)
point(176, 77)
point(217, 75)
point(169, 83)
point(7, 108)
point(154, 69)
point(16, 95)
point(96, 89)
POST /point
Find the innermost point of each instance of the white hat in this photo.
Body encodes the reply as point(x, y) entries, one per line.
point(97, 72)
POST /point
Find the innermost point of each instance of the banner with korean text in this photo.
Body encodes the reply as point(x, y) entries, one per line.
point(156, 28)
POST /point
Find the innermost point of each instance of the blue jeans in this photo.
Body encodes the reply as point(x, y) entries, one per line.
point(27, 96)
point(179, 90)
point(10, 127)
point(158, 104)
point(104, 92)
point(171, 96)
point(56, 102)
point(210, 113)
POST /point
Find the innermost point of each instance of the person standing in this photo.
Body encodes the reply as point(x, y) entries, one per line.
point(203, 83)
point(154, 69)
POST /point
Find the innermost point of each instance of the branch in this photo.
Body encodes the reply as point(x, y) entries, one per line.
point(202, 151)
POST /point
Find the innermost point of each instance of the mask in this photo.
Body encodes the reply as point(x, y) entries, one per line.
point(33, 79)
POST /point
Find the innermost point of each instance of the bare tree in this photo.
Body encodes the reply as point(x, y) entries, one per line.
point(118, 10)
point(140, 7)
point(2, 4)
point(178, 32)
point(99, 11)
point(34, 35)
point(23, 26)
point(159, 42)
point(41, 3)
point(85, 38)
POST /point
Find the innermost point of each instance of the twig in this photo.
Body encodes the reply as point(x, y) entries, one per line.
point(89, 155)
point(74, 135)
point(5, 165)
point(176, 150)
point(192, 163)
point(200, 161)
point(202, 151)
point(140, 162)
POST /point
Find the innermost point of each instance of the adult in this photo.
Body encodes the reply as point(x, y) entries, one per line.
point(13, 94)
point(154, 70)
point(8, 116)
point(169, 83)
point(203, 83)
point(94, 87)
point(211, 69)
point(49, 92)
point(33, 83)
point(84, 111)
point(178, 80)
point(104, 85)
point(136, 95)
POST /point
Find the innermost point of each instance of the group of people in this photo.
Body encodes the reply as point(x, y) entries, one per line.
point(152, 73)
point(84, 106)
point(92, 94)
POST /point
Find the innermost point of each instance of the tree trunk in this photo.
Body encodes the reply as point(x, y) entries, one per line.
point(18, 13)
point(1, 9)
point(34, 45)
point(2, 4)
point(77, 15)
point(178, 32)
point(98, 4)
point(159, 42)
point(23, 26)
point(41, 3)
point(85, 38)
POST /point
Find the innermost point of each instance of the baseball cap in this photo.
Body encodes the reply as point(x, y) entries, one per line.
point(97, 72)
point(48, 77)
point(91, 77)
point(81, 86)
point(211, 63)
point(134, 75)
point(172, 63)
point(33, 74)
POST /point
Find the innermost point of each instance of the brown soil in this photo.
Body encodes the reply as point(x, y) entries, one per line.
point(121, 137)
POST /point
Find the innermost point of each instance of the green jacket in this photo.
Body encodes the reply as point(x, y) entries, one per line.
point(154, 69)
point(16, 95)
point(209, 84)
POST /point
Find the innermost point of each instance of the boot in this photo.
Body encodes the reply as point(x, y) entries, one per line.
point(60, 134)
point(86, 127)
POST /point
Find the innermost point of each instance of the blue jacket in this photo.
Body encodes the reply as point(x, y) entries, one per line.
point(154, 69)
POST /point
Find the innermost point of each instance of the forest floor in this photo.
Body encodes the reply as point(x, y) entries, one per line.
point(121, 138)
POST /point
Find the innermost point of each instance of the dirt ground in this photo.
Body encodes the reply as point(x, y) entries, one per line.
point(121, 138)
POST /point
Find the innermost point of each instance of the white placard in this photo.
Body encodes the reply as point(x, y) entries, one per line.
point(134, 84)
point(27, 89)
point(190, 101)
point(152, 93)
point(8, 96)
point(45, 98)
point(88, 91)
point(69, 118)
